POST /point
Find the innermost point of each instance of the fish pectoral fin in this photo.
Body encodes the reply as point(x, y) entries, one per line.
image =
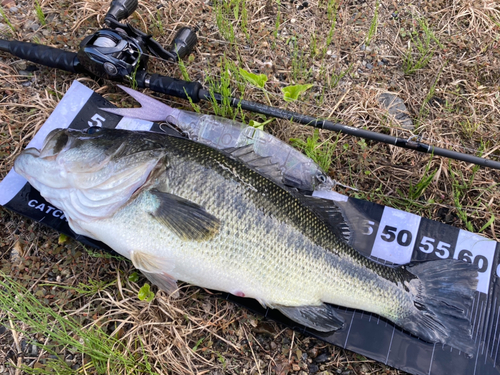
point(156, 270)
point(187, 219)
point(322, 318)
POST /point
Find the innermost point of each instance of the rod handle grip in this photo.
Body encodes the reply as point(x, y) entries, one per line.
point(43, 55)
point(175, 87)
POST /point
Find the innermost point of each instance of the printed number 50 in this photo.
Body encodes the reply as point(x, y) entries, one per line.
point(442, 250)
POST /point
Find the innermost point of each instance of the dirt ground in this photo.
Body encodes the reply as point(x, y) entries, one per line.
point(440, 57)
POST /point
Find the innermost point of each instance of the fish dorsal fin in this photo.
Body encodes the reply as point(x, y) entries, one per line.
point(329, 212)
point(187, 219)
point(261, 164)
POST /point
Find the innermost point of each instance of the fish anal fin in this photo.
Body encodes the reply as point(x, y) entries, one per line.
point(187, 219)
point(322, 318)
point(156, 269)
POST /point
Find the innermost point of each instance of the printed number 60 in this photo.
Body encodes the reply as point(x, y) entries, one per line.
point(442, 250)
point(480, 261)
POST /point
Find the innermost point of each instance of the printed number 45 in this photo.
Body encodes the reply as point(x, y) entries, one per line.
point(96, 120)
point(442, 250)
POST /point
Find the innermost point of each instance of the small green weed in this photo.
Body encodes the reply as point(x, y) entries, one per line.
point(313, 51)
point(91, 288)
point(134, 277)
point(224, 25)
point(468, 127)
point(260, 125)
point(258, 80)
point(291, 93)
point(198, 343)
point(194, 105)
point(145, 293)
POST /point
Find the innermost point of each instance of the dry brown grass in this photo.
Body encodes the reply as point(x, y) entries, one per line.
point(454, 102)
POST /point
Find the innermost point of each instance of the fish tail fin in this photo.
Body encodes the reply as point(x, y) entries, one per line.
point(442, 298)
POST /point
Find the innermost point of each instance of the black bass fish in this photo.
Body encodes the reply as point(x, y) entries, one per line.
point(180, 210)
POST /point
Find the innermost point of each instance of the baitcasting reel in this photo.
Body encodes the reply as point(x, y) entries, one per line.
point(121, 50)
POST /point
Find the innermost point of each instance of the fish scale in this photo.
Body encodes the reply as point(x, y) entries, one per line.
point(245, 198)
point(209, 218)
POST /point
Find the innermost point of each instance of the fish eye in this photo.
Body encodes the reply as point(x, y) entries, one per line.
point(93, 130)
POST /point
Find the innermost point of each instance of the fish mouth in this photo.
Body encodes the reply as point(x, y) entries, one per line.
point(32, 152)
point(55, 142)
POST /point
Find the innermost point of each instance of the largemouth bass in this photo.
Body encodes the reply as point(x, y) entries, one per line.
point(180, 210)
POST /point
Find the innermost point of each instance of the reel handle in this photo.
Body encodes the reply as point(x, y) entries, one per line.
point(120, 9)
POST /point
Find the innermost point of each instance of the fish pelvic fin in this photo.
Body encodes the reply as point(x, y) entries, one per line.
point(443, 292)
point(322, 318)
point(187, 219)
point(156, 270)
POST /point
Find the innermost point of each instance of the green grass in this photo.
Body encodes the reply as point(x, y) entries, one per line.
point(39, 13)
point(159, 23)
point(416, 191)
point(320, 152)
point(91, 288)
point(300, 65)
point(228, 15)
point(7, 21)
point(373, 26)
point(421, 48)
point(184, 72)
point(332, 11)
point(459, 188)
point(337, 77)
point(54, 332)
point(277, 23)
point(432, 90)
point(222, 86)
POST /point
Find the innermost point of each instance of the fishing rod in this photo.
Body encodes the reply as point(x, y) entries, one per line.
point(120, 52)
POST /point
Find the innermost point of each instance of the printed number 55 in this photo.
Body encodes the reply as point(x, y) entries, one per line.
point(442, 250)
point(96, 120)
